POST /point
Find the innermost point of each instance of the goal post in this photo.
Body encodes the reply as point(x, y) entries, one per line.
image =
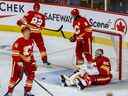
point(110, 41)
point(117, 45)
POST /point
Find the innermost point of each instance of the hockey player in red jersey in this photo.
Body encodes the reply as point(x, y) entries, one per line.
point(99, 73)
point(82, 36)
point(36, 22)
point(22, 62)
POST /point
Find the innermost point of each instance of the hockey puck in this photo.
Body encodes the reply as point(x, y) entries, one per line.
point(43, 78)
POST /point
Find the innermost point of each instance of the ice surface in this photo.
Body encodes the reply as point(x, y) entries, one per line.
point(60, 52)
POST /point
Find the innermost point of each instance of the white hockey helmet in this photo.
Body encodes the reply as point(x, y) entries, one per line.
point(99, 52)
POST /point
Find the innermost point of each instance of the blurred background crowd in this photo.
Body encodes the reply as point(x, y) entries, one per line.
point(120, 6)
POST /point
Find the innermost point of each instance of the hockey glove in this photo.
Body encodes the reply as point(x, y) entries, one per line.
point(72, 39)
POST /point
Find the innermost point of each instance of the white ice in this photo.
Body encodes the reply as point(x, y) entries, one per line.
point(60, 52)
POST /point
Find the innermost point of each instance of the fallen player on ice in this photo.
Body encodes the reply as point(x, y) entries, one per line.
point(97, 73)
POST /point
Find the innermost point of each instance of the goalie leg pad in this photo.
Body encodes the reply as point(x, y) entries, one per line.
point(67, 81)
point(63, 81)
point(80, 84)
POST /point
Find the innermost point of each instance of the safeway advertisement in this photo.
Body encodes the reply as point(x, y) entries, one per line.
point(10, 12)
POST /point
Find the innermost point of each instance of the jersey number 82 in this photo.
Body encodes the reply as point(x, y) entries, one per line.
point(36, 21)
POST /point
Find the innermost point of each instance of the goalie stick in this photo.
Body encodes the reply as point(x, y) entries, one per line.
point(16, 83)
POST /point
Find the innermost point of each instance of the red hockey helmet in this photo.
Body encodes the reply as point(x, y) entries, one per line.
point(75, 12)
point(36, 5)
point(25, 28)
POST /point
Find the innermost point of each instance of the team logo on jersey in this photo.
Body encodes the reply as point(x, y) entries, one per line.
point(121, 25)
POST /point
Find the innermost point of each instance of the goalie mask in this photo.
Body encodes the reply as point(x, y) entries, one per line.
point(99, 52)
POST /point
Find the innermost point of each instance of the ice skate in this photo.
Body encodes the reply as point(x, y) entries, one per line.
point(79, 84)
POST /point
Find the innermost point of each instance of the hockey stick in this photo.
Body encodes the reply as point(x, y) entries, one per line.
point(6, 94)
point(21, 76)
point(55, 30)
point(62, 32)
point(59, 30)
point(43, 87)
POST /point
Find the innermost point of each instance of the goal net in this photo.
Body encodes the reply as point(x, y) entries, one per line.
point(112, 44)
point(63, 52)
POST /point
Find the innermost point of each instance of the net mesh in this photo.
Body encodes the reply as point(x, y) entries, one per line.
point(111, 43)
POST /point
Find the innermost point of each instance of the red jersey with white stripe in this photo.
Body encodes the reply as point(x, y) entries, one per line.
point(22, 46)
point(79, 25)
point(36, 19)
point(103, 65)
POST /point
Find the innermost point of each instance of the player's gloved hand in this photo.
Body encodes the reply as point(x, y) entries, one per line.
point(19, 22)
point(72, 39)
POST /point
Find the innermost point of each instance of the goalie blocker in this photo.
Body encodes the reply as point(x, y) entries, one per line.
point(98, 73)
